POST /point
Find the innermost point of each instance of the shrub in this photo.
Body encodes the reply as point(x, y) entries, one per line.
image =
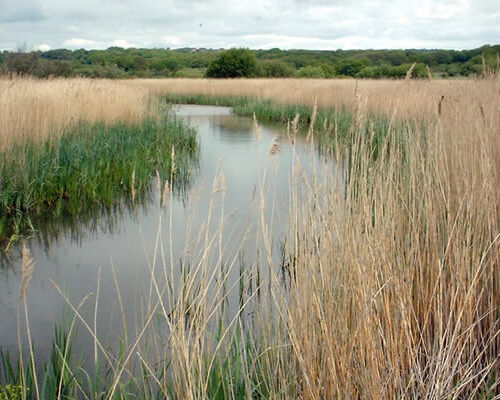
point(276, 69)
point(233, 63)
point(310, 72)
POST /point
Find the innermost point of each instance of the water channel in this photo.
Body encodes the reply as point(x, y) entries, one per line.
point(240, 166)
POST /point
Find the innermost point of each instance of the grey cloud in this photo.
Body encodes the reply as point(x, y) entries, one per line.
point(307, 23)
point(21, 11)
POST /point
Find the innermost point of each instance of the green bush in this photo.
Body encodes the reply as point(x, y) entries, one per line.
point(328, 70)
point(233, 63)
point(310, 72)
point(275, 69)
point(190, 73)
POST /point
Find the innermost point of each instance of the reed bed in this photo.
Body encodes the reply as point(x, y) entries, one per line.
point(405, 99)
point(35, 110)
point(387, 285)
point(396, 290)
point(68, 145)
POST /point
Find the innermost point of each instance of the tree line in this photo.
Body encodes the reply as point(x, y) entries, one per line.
point(116, 62)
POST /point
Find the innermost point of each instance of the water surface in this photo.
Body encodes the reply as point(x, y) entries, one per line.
point(240, 166)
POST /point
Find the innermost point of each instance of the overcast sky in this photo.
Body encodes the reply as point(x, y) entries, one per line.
point(306, 24)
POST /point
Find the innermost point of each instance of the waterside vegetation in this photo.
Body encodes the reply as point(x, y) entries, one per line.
point(388, 285)
point(57, 171)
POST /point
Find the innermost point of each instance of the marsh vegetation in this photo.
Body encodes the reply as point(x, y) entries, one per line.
point(61, 160)
point(380, 281)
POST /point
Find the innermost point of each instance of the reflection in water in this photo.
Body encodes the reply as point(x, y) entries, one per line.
point(120, 250)
point(233, 129)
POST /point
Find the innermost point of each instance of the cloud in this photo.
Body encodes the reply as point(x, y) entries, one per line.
point(43, 47)
point(172, 41)
point(122, 43)
point(21, 11)
point(79, 43)
point(315, 24)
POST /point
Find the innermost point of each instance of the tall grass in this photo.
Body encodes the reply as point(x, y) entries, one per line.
point(387, 285)
point(67, 146)
point(403, 99)
point(37, 110)
point(335, 126)
point(90, 166)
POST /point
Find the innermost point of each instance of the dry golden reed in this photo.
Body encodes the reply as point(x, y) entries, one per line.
point(397, 289)
point(394, 288)
point(413, 99)
point(34, 109)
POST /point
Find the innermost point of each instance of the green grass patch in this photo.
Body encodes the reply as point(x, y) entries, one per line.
point(331, 127)
point(91, 165)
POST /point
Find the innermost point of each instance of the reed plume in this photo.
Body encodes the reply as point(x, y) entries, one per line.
point(410, 72)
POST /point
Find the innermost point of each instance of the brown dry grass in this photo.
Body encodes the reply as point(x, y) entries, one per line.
point(416, 99)
point(34, 109)
point(396, 289)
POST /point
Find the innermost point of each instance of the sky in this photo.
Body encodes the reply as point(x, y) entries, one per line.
point(256, 24)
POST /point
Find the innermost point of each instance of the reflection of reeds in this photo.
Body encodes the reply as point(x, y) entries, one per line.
point(27, 270)
point(257, 130)
point(92, 166)
point(275, 146)
point(132, 186)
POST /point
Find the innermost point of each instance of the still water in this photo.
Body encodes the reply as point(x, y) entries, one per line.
point(242, 169)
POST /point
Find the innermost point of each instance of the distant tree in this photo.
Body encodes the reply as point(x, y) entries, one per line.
point(443, 57)
point(310, 72)
point(169, 64)
point(59, 54)
point(21, 63)
point(328, 70)
point(369, 72)
point(140, 63)
point(455, 69)
point(276, 69)
point(125, 62)
point(396, 57)
point(97, 58)
point(120, 62)
point(233, 63)
point(81, 56)
point(351, 67)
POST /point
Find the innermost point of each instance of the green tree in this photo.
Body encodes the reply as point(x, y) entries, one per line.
point(21, 63)
point(328, 70)
point(352, 67)
point(233, 63)
point(125, 62)
point(59, 54)
point(310, 72)
point(276, 69)
point(140, 63)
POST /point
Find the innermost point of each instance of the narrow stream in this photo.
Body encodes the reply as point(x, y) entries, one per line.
point(236, 162)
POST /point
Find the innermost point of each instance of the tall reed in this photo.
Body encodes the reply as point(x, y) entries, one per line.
point(386, 286)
